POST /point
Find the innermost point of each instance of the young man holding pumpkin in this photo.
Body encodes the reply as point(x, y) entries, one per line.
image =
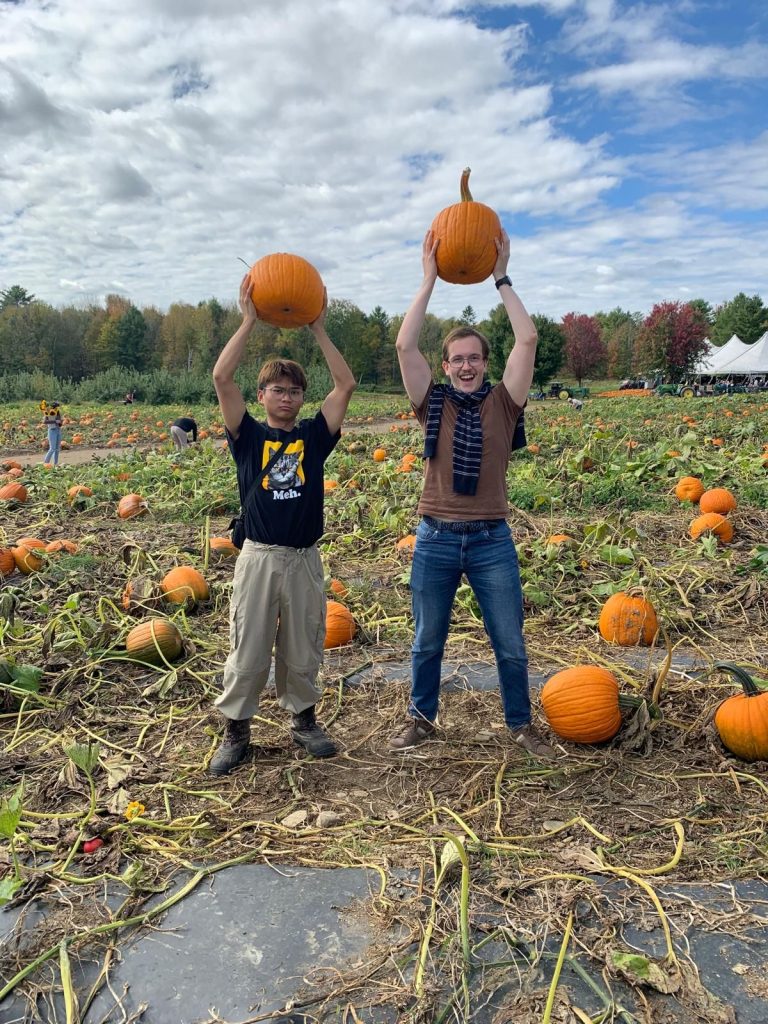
point(278, 595)
point(469, 428)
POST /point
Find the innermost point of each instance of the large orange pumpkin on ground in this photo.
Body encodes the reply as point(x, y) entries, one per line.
point(78, 492)
point(689, 488)
point(29, 555)
point(221, 548)
point(131, 505)
point(742, 720)
point(718, 499)
point(184, 585)
point(712, 523)
point(340, 627)
point(7, 562)
point(467, 233)
point(153, 641)
point(13, 493)
point(627, 620)
point(582, 704)
point(286, 290)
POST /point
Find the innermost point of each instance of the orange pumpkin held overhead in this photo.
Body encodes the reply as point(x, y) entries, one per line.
point(628, 620)
point(340, 627)
point(286, 290)
point(582, 704)
point(467, 233)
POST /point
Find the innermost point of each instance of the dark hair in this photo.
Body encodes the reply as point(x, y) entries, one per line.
point(464, 332)
point(274, 369)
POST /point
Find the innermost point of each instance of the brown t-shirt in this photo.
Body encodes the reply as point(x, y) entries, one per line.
point(498, 416)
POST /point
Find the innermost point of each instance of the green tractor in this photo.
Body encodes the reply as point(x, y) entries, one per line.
point(559, 390)
point(677, 390)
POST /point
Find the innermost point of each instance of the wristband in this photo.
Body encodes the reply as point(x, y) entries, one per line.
point(503, 280)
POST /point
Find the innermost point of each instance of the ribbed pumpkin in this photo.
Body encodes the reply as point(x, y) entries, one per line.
point(689, 488)
point(718, 499)
point(742, 720)
point(221, 548)
point(7, 562)
point(286, 290)
point(184, 585)
point(627, 620)
point(467, 232)
point(29, 555)
point(13, 493)
point(340, 627)
point(582, 704)
point(338, 588)
point(131, 505)
point(712, 523)
point(146, 641)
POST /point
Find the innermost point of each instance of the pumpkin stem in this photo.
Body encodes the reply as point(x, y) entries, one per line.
point(466, 195)
point(748, 684)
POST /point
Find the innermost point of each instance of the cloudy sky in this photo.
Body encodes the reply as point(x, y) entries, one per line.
point(149, 146)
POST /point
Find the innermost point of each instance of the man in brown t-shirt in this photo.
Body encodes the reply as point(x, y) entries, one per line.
point(468, 426)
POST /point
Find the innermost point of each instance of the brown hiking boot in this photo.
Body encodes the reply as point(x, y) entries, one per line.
point(530, 739)
point(308, 733)
point(233, 747)
point(418, 731)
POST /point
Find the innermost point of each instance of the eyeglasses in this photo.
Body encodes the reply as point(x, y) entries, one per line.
point(293, 393)
point(473, 360)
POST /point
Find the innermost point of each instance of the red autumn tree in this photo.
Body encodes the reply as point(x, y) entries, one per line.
point(671, 339)
point(585, 350)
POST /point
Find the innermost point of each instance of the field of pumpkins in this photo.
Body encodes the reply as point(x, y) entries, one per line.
point(642, 531)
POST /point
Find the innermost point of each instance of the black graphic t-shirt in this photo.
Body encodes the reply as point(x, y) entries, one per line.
point(287, 508)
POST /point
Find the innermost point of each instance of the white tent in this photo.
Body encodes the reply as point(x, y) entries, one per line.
point(753, 360)
point(719, 357)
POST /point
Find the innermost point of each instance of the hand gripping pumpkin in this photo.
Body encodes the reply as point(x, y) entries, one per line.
point(467, 232)
point(286, 290)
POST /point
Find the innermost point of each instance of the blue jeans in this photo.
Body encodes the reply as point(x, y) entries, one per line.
point(54, 445)
point(489, 560)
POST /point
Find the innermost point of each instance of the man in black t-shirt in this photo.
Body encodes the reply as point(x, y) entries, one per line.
point(181, 429)
point(278, 574)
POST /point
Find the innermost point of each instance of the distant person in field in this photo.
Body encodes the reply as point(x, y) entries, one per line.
point(53, 420)
point(576, 403)
point(180, 431)
point(128, 400)
point(469, 426)
point(278, 596)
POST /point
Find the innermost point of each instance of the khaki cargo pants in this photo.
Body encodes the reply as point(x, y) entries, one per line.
point(278, 599)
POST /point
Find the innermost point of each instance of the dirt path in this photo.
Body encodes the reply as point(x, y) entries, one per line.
point(81, 455)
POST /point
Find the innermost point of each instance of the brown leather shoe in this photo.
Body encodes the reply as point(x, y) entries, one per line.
point(530, 739)
point(418, 731)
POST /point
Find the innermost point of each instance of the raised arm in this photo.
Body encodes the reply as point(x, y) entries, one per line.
point(414, 368)
point(231, 401)
point(518, 373)
point(334, 408)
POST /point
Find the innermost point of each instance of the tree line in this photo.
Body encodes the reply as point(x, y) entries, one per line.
point(119, 346)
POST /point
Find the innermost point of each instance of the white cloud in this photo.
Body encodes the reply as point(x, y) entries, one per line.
point(155, 143)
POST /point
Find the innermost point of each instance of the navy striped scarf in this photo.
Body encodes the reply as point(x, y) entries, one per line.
point(468, 434)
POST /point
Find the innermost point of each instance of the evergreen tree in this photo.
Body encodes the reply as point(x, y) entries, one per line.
point(131, 340)
point(549, 350)
point(743, 316)
point(15, 296)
